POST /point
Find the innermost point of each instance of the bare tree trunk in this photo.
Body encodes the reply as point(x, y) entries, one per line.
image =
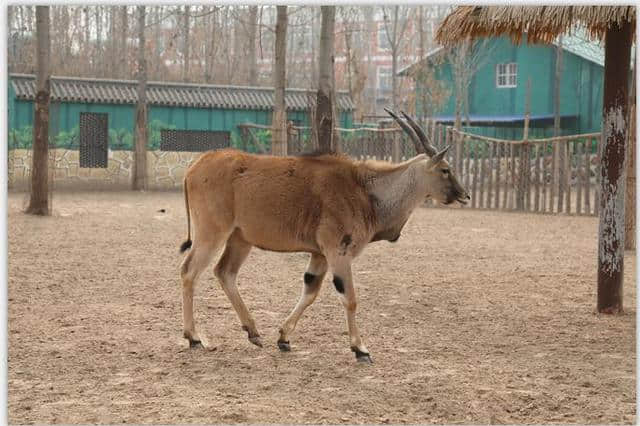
point(55, 32)
point(98, 59)
point(314, 45)
point(187, 59)
point(39, 200)
point(395, 45)
point(556, 89)
point(124, 51)
point(87, 32)
point(290, 53)
point(29, 10)
point(113, 53)
point(157, 69)
point(558, 151)
point(279, 121)
point(371, 73)
point(465, 99)
point(253, 58)
point(324, 111)
point(617, 55)
point(66, 42)
point(10, 58)
point(140, 153)
point(421, 53)
point(349, 60)
point(458, 101)
point(210, 46)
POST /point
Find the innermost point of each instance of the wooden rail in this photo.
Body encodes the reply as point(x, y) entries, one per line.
point(548, 175)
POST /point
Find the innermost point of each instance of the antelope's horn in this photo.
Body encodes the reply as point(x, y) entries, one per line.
point(428, 147)
point(414, 137)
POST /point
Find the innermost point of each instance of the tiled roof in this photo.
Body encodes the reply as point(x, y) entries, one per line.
point(73, 89)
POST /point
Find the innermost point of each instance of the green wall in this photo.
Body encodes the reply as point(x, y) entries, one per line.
point(65, 117)
point(580, 92)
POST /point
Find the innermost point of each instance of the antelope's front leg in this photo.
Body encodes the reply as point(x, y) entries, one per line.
point(312, 282)
point(343, 282)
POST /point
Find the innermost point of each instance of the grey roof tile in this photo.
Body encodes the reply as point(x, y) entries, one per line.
point(72, 89)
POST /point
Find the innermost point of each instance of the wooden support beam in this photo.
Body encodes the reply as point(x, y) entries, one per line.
point(613, 174)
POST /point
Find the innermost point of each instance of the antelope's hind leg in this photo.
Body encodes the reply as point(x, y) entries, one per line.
point(192, 266)
point(312, 282)
point(226, 271)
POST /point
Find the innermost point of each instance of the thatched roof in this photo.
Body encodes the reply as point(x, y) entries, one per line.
point(539, 23)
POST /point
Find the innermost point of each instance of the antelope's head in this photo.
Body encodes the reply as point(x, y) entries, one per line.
point(441, 183)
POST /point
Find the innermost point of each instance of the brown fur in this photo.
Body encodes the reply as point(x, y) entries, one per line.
point(326, 205)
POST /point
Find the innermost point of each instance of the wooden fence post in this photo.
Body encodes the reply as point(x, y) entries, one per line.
point(395, 149)
point(567, 177)
point(524, 168)
point(543, 205)
point(499, 153)
point(467, 166)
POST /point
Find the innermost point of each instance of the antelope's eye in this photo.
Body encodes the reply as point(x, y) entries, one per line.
point(445, 171)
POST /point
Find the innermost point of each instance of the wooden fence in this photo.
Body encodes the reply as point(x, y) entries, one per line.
point(551, 175)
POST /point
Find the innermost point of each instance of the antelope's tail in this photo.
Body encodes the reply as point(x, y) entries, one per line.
point(187, 244)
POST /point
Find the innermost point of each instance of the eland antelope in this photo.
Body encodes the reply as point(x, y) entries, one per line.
point(327, 205)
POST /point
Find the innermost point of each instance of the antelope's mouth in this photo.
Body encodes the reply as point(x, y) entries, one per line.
point(464, 200)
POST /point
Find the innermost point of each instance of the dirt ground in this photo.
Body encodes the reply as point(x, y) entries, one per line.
point(471, 317)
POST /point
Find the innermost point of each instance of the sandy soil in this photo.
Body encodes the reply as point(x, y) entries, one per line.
point(472, 316)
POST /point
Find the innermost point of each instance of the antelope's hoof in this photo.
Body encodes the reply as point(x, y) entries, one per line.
point(362, 356)
point(195, 344)
point(366, 359)
point(284, 346)
point(256, 340)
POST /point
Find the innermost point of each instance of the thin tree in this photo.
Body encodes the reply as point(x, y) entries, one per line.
point(87, 31)
point(98, 58)
point(186, 46)
point(211, 45)
point(559, 166)
point(157, 63)
point(370, 28)
point(466, 59)
point(39, 200)
point(324, 120)
point(279, 121)
point(356, 77)
point(123, 51)
point(140, 152)
point(112, 45)
point(395, 25)
point(251, 52)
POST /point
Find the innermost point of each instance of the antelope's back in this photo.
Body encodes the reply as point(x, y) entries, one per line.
point(278, 202)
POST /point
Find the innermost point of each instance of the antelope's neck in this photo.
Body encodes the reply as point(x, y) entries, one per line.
point(393, 199)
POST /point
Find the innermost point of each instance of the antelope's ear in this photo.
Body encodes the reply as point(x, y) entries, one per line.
point(438, 157)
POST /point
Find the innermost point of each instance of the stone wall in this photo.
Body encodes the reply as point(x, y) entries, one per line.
point(166, 169)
